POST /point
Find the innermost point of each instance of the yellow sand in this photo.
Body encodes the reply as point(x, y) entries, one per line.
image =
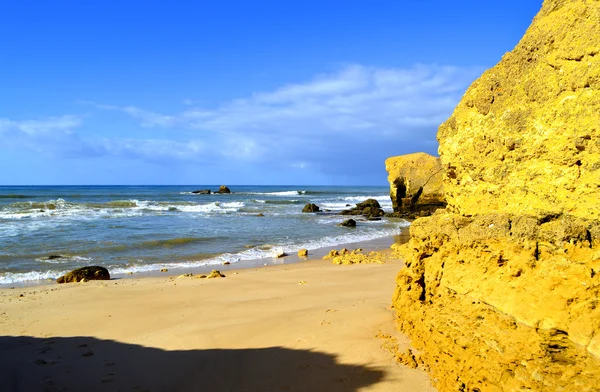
point(299, 327)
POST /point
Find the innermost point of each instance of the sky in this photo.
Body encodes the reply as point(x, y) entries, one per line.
point(246, 92)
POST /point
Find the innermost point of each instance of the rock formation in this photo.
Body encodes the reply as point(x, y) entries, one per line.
point(223, 189)
point(85, 274)
point(416, 186)
point(369, 208)
point(501, 291)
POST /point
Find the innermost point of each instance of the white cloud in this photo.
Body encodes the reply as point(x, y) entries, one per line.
point(348, 121)
point(358, 108)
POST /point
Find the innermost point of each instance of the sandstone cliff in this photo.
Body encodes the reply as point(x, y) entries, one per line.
point(502, 290)
point(415, 183)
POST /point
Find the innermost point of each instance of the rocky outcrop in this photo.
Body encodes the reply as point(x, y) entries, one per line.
point(369, 208)
point(416, 186)
point(311, 208)
point(501, 290)
point(223, 189)
point(202, 192)
point(85, 274)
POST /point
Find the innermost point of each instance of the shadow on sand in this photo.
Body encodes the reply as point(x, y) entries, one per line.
point(90, 364)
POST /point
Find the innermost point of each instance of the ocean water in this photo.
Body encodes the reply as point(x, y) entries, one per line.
point(147, 228)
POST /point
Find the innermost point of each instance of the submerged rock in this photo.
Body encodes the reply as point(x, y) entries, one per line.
point(85, 274)
point(311, 208)
point(202, 192)
point(500, 291)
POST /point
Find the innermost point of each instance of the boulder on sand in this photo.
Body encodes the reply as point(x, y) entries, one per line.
point(85, 273)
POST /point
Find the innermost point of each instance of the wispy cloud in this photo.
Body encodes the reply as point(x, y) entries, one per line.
point(355, 110)
point(347, 121)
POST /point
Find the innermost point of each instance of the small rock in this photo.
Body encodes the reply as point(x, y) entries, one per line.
point(223, 189)
point(311, 208)
point(226, 262)
point(332, 253)
point(215, 274)
point(54, 257)
point(202, 192)
point(190, 275)
point(260, 214)
point(164, 270)
point(348, 223)
point(303, 252)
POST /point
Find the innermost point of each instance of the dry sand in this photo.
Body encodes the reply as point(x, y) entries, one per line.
point(308, 326)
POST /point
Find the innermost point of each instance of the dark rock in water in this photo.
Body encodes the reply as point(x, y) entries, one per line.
point(348, 205)
point(373, 219)
point(85, 274)
point(368, 203)
point(348, 223)
point(54, 257)
point(223, 189)
point(369, 208)
point(260, 214)
point(311, 208)
point(202, 192)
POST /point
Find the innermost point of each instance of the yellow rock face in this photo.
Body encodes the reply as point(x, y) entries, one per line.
point(407, 174)
point(501, 291)
point(526, 135)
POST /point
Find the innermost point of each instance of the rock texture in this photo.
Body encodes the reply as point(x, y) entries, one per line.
point(416, 186)
point(502, 289)
point(85, 274)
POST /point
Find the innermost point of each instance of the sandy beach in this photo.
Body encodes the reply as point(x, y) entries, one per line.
point(308, 326)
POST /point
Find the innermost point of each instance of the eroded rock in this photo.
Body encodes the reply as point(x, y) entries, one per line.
point(500, 290)
point(416, 186)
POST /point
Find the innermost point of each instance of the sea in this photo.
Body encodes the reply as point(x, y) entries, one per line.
point(46, 231)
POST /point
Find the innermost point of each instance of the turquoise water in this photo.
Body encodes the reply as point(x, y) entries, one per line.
point(46, 231)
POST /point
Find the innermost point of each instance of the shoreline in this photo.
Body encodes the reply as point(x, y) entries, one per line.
point(374, 244)
point(299, 326)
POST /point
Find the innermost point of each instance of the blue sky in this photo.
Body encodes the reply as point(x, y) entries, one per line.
point(236, 92)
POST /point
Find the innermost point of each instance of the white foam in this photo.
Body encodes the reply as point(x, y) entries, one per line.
point(283, 193)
